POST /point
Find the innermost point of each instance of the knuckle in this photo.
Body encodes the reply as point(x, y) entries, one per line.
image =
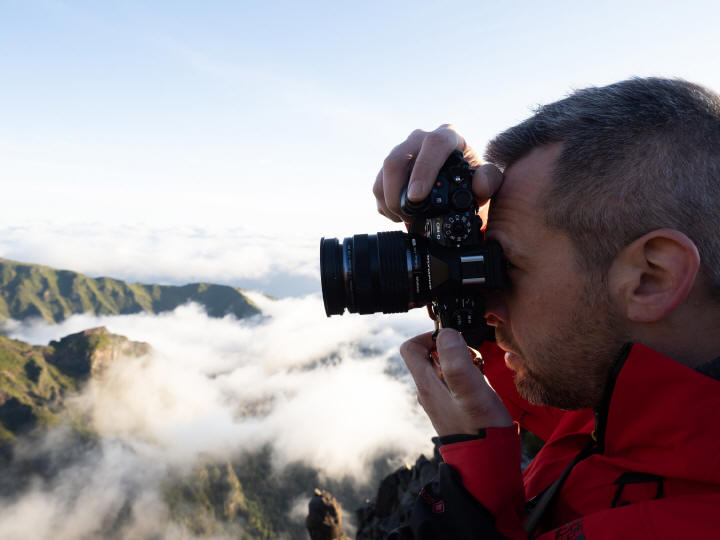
point(406, 349)
point(454, 371)
point(393, 206)
point(377, 189)
point(395, 161)
point(447, 134)
point(439, 137)
point(417, 134)
point(456, 360)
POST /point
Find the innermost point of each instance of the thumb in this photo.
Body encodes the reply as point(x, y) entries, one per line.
point(456, 361)
point(486, 181)
point(478, 401)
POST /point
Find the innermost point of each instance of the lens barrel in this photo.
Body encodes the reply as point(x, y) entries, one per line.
point(367, 273)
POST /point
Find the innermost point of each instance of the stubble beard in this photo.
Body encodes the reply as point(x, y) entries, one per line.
point(568, 370)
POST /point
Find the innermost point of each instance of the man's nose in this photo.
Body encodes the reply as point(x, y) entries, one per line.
point(495, 311)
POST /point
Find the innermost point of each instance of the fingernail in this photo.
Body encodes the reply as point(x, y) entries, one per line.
point(449, 338)
point(415, 190)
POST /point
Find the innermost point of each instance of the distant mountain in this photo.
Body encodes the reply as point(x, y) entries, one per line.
point(29, 290)
point(36, 379)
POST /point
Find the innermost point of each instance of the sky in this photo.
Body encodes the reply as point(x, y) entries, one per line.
point(268, 121)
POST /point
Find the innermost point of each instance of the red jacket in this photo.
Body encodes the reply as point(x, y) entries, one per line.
point(655, 471)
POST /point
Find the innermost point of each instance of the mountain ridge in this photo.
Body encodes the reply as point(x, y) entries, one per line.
point(31, 290)
point(35, 379)
point(43, 437)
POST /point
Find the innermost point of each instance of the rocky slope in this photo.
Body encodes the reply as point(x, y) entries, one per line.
point(42, 442)
point(395, 498)
point(34, 380)
point(29, 290)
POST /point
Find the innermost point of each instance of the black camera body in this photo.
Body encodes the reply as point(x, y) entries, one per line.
point(449, 211)
point(443, 261)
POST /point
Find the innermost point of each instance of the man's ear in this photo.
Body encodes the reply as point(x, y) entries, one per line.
point(654, 274)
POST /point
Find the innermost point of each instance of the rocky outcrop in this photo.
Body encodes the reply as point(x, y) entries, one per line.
point(324, 520)
point(395, 498)
point(34, 379)
point(90, 352)
point(393, 504)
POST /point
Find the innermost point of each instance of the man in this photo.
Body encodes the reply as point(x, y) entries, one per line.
point(607, 206)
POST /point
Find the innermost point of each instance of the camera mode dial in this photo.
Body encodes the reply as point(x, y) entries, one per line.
point(457, 227)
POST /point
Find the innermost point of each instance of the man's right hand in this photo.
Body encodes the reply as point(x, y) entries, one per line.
point(420, 158)
point(462, 402)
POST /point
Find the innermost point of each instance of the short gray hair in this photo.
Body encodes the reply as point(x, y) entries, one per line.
point(638, 155)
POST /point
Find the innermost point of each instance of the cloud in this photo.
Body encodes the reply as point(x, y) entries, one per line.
point(322, 390)
point(326, 392)
point(279, 265)
point(89, 494)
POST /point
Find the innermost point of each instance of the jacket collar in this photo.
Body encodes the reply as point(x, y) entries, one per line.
point(660, 413)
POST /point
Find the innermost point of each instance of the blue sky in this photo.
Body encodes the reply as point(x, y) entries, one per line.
point(275, 116)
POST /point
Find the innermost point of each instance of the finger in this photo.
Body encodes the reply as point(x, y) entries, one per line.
point(396, 169)
point(435, 149)
point(456, 361)
point(486, 181)
point(380, 198)
point(432, 393)
point(415, 354)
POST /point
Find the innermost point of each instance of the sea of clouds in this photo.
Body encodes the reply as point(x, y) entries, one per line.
point(278, 264)
point(327, 392)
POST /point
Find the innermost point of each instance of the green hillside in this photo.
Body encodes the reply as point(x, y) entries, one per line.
point(241, 498)
point(35, 379)
point(29, 290)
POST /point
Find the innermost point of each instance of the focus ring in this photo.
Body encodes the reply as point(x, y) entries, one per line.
point(393, 272)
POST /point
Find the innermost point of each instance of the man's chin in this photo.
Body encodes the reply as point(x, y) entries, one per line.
point(533, 391)
point(538, 394)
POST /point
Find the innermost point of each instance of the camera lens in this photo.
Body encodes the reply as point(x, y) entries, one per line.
point(331, 276)
point(367, 273)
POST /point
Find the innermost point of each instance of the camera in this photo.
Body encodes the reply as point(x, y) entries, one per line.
point(442, 262)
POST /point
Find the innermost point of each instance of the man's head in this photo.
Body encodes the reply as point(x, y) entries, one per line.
point(606, 195)
point(638, 155)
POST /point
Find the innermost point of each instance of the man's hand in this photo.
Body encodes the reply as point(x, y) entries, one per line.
point(461, 403)
point(420, 158)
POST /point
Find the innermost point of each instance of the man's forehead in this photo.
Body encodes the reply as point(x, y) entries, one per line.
point(526, 182)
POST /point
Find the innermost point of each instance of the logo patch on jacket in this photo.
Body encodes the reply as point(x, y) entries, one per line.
point(571, 531)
